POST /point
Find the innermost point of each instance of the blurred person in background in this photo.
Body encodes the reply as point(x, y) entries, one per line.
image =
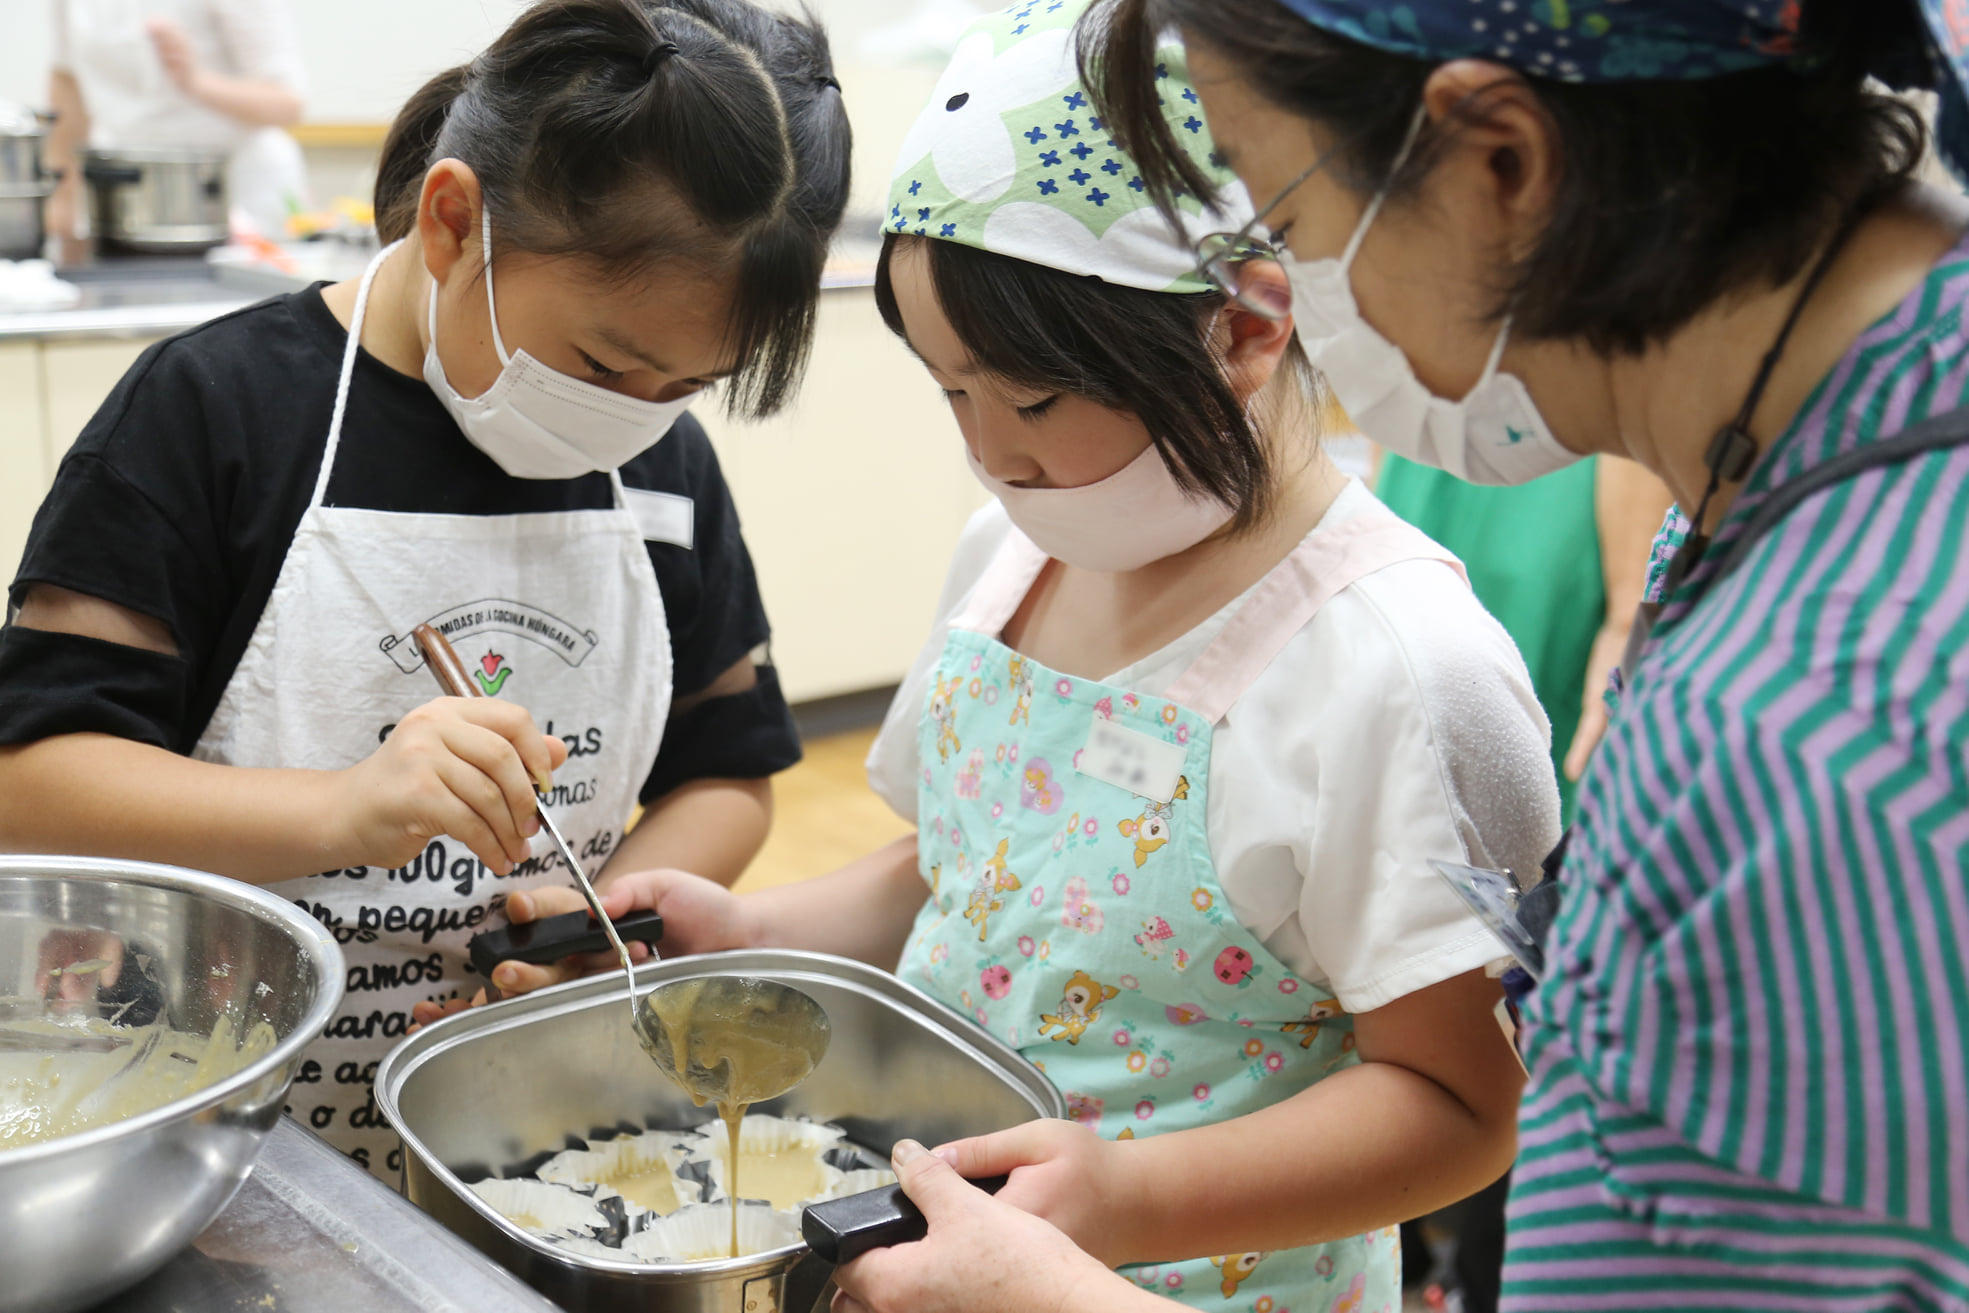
point(217, 75)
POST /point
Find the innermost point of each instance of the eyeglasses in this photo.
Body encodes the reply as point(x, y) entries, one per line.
point(1226, 260)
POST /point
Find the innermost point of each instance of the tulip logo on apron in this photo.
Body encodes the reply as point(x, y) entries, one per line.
point(493, 678)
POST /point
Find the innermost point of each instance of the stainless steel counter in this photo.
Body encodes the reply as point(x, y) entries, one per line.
point(310, 1231)
point(131, 299)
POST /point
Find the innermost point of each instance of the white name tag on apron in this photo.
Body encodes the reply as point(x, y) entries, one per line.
point(663, 517)
point(1129, 759)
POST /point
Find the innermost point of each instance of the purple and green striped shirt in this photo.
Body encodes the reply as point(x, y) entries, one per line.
point(1748, 1083)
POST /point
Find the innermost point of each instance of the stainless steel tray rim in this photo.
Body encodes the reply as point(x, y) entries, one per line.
point(790, 965)
point(763, 1263)
point(574, 995)
point(257, 902)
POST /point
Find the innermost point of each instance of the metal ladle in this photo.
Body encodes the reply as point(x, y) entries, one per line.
point(707, 1031)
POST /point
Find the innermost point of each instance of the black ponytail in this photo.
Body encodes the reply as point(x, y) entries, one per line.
point(636, 133)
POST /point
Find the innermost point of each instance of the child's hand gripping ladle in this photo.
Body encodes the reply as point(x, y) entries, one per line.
point(442, 659)
point(728, 1040)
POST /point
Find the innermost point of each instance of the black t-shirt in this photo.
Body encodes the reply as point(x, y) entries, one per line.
point(181, 496)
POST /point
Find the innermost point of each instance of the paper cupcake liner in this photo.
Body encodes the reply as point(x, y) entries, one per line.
point(597, 1167)
point(767, 1135)
point(587, 1248)
point(701, 1233)
point(543, 1209)
point(855, 1182)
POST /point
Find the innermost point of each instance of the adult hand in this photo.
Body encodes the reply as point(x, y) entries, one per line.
point(1609, 646)
point(981, 1256)
point(458, 766)
point(174, 52)
point(1066, 1174)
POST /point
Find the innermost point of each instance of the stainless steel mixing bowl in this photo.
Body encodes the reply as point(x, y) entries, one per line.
point(502, 1087)
point(84, 1216)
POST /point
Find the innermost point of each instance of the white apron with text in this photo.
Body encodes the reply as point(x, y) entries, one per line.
point(558, 612)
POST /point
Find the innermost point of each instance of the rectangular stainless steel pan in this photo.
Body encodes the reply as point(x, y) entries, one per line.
point(502, 1087)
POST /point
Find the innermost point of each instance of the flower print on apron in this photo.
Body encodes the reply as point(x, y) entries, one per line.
point(558, 612)
point(1076, 913)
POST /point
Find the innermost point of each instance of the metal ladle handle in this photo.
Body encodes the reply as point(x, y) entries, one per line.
point(442, 659)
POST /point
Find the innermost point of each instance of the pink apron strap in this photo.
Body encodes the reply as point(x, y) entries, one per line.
point(1287, 599)
point(995, 598)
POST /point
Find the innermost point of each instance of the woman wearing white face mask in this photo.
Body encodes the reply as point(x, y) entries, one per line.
point(1194, 717)
point(617, 203)
point(1684, 233)
point(1696, 216)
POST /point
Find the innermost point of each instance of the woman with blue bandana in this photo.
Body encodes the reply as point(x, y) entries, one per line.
point(1686, 232)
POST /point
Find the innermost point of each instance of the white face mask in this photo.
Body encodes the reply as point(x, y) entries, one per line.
point(538, 423)
point(1494, 435)
point(1136, 515)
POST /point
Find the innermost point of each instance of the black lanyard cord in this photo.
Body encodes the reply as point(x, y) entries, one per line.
point(1733, 451)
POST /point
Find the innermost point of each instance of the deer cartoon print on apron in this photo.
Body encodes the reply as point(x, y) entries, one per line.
point(1076, 913)
point(557, 611)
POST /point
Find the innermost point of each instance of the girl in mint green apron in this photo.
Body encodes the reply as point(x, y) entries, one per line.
point(1075, 909)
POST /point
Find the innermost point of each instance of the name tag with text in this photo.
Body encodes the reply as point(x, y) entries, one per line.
point(1130, 759)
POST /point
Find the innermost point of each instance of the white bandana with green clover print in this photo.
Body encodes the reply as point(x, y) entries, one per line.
point(1010, 156)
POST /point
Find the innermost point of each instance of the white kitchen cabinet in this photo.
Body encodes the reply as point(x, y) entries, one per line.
point(23, 448)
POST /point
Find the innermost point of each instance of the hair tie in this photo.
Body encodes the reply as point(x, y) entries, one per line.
point(654, 60)
point(829, 82)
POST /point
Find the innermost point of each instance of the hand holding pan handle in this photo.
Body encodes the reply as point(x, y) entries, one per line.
point(842, 1230)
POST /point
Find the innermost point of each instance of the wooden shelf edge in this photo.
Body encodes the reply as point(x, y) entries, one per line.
point(345, 135)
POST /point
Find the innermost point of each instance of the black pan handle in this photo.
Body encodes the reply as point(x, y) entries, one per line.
point(842, 1230)
point(552, 938)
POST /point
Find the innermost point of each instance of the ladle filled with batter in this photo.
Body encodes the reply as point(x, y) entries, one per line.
point(732, 1041)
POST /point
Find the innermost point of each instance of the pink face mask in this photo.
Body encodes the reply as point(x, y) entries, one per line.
point(1136, 515)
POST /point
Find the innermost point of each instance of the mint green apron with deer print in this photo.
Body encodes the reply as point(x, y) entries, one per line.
point(1075, 912)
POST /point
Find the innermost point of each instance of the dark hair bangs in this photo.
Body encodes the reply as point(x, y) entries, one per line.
point(1146, 353)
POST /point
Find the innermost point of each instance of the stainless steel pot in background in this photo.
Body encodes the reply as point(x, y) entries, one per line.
point(499, 1087)
point(24, 182)
point(23, 138)
point(22, 219)
point(160, 201)
point(86, 1215)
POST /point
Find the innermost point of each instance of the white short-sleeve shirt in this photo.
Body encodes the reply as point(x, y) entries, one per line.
point(1397, 726)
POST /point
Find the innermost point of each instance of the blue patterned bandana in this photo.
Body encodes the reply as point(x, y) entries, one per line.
point(1647, 41)
point(1573, 40)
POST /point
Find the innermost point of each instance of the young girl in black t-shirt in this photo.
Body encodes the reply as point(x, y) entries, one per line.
point(208, 658)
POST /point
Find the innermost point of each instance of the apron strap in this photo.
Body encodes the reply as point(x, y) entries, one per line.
point(348, 371)
point(995, 598)
point(1286, 600)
